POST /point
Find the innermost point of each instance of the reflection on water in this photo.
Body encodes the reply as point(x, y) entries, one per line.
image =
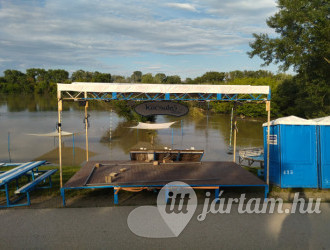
point(20, 117)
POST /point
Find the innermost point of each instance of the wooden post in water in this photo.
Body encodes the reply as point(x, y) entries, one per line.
point(110, 129)
point(235, 131)
point(9, 146)
point(59, 108)
point(86, 125)
point(172, 137)
point(268, 136)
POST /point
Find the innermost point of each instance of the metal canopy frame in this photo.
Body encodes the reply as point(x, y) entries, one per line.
point(143, 92)
point(106, 96)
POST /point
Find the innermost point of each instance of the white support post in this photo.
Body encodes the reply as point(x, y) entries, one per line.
point(268, 136)
point(235, 131)
point(110, 129)
point(59, 107)
point(86, 126)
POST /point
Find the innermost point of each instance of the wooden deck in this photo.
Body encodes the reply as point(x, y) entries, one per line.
point(140, 175)
point(146, 174)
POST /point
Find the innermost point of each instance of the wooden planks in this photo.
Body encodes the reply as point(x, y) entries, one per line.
point(206, 173)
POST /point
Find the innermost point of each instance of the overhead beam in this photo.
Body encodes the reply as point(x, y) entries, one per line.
point(162, 88)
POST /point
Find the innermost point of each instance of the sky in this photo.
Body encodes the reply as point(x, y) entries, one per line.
point(185, 38)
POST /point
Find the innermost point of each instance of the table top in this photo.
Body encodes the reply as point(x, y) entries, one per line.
point(19, 171)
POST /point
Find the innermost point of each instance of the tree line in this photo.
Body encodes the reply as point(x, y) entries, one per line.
point(290, 95)
point(285, 89)
point(44, 81)
point(41, 81)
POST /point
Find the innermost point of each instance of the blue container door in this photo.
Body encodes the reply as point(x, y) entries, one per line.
point(298, 156)
point(274, 155)
point(324, 138)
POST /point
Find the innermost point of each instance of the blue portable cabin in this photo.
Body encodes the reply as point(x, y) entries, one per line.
point(323, 136)
point(292, 153)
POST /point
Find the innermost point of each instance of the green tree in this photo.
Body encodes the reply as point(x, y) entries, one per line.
point(211, 77)
point(136, 76)
point(304, 32)
point(15, 81)
point(189, 80)
point(82, 76)
point(31, 75)
point(147, 78)
point(39, 75)
point(2, 83)
point(119, 79)
point(232, 75)
point(160, 78)
point(101, 77)
point(58, 75)
point(173, 79)
point(303, 28)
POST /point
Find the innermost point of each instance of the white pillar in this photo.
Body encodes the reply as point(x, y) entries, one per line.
point(235, 131)
point(59, 108)
point(86, 126)
point(268, 136)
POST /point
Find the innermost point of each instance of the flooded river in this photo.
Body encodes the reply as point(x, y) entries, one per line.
point(21, 116)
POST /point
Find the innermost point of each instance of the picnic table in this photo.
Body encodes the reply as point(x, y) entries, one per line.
point(31, 171)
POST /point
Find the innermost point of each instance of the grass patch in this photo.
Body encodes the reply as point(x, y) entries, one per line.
point(68, 172)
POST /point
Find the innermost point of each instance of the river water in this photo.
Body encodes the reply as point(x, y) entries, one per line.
point(22, 115)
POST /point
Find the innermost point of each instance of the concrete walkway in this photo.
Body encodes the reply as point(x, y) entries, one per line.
point(106, 228)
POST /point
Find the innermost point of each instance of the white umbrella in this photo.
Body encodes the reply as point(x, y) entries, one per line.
point(153, 126)
point(55, 133)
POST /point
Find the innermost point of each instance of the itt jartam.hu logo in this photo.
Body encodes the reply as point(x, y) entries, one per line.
point(177, 202)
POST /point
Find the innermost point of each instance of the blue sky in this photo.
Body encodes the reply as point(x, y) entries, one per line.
point(185, 38)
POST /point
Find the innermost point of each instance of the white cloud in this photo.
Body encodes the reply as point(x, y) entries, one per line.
point(183, 6)
point(153, 67)
point(255, 9)
point(76, 34)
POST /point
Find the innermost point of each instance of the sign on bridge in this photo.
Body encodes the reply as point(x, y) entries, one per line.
point(161, 108)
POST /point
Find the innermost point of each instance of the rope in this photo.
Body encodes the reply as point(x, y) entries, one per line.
point(58, 125)
point(86, 119)
point(139, 189)
point(133, 189)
